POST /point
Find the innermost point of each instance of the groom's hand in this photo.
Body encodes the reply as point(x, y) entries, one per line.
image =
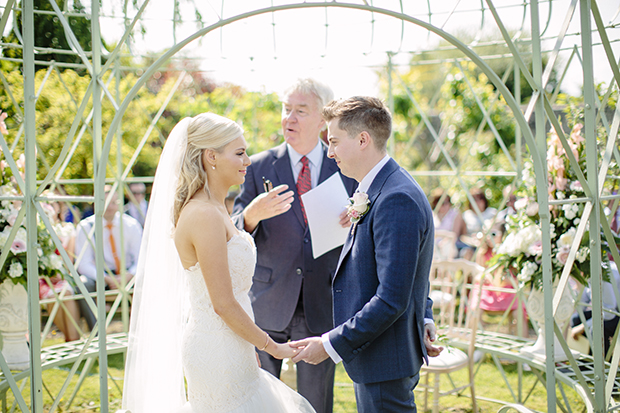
point(267, 205)
point(311, 350)
point(429, 339)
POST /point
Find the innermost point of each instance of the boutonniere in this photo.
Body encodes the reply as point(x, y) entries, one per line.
point(357, 208)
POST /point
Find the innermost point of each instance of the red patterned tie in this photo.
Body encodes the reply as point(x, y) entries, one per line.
point(304, 183)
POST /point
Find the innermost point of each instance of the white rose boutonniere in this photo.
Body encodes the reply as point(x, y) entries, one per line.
point(358, 206)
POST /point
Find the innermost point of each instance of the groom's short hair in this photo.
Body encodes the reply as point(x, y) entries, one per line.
point(361, 113)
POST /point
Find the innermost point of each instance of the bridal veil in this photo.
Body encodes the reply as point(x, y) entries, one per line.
point(154, 372)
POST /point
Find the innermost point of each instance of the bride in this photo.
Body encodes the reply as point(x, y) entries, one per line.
point(192, 320)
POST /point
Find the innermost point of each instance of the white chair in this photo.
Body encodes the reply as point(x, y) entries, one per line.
point(451, 283)
point(445, 245)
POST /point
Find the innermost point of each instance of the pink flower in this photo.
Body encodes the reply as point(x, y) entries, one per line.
point(21, 162)
point(575, 134)
point(12, 218)
point(554, 163)
point(562, 254)
point(18, 246)
point(560, 183)
point(3, 116)
point(535, 249)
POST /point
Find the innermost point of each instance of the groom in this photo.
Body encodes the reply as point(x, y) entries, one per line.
point(380, 286)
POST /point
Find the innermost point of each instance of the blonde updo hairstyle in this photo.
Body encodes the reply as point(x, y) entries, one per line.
point(205, 131)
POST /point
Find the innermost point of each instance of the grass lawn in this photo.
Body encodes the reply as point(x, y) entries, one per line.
point(489, 384)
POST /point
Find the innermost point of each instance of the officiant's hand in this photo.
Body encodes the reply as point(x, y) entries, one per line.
point(311, 350)
point(429, 339)
point(267, 205)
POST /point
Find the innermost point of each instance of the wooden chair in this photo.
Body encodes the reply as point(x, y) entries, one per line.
point(450, 288)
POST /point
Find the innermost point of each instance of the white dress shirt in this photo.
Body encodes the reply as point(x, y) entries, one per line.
point(315, 156)
point(132, 236)
point(138, 211)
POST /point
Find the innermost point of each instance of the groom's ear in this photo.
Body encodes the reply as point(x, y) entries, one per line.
point(364, 139)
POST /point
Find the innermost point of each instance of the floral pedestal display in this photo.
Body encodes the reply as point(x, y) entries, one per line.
point(14, 325)
point(536, 310)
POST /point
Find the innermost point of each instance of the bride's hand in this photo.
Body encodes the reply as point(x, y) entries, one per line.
point(283, 351)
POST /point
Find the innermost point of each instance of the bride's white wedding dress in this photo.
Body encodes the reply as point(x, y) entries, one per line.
point(220, 367)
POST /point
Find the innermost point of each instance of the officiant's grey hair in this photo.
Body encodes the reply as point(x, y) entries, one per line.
point(205, 131)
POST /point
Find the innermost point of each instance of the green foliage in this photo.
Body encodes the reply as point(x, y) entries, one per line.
point(467, 140)
point(50, 33)
point(63, 92)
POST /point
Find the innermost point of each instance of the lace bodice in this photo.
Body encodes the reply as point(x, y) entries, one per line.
point(241, 262)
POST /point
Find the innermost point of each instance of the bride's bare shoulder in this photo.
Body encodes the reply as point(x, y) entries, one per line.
point(200, 217)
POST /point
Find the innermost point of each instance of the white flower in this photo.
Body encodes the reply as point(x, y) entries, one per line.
point(532, 209)
point(582, 254)
point(523, 241)
point(576, 186)
point(55, 261)
point(528, 269)
point(521, 203)
point(560, 195)
point(44, 261)
point(360, 202)
point(552, 230)
point(566, 239)
point(577, 221)
point(4, 236)
point(570, 210)
point(22, 235)
point(16, 270)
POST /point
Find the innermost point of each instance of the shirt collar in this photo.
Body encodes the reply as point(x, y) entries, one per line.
point(370, 176)
point(314, 156)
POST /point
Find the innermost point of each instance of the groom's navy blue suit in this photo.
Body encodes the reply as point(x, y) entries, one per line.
point(380, 287)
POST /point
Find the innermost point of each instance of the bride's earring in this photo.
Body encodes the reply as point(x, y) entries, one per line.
point(213, 166)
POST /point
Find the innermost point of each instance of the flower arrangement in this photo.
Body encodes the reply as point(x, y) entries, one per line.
point(14, 268)
point(521, 249)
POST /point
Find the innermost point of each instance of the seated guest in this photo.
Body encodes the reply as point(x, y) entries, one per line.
point(498, 293)
point(447, 218)
point(137, 205)
point(112, 250)
point(610, 320)
point(64, 320)
point(474, 222)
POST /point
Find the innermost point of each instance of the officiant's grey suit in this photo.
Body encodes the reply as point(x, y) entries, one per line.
point(289, 284)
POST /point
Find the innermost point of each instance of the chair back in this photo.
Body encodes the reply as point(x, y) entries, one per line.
point(445, 245)
point(451, 284)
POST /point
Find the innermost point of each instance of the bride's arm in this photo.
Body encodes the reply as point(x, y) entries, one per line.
point(208, 236)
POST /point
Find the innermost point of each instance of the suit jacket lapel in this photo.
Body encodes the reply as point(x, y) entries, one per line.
point(282, 167)
point(373, 193)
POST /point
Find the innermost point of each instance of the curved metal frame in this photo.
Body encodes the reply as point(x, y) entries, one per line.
point(539, 106)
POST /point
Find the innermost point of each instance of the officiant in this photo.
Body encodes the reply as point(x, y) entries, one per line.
point(291, 293)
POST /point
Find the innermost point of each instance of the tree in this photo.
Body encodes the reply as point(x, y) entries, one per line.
point(50, 33)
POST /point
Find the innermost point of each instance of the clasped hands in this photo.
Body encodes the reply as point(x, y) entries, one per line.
point(312, 351)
